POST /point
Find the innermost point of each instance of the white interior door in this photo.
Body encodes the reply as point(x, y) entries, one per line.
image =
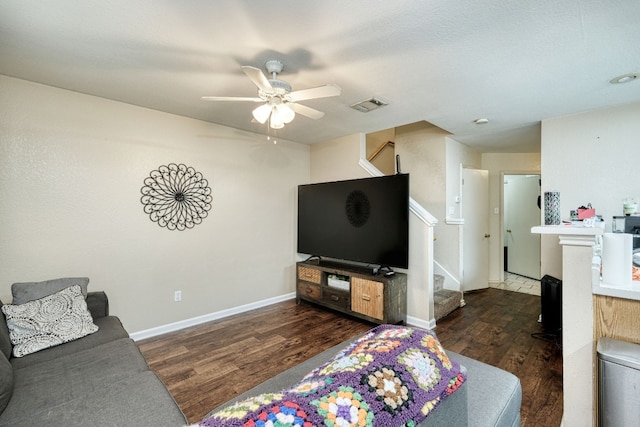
point(521, 212)
point(475, 231)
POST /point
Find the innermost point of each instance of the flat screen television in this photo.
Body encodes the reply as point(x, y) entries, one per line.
point(360, 220)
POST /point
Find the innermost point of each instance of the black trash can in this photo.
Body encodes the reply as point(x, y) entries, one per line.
point(551, 304)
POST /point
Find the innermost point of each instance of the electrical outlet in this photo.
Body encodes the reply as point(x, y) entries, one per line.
point(177, 296)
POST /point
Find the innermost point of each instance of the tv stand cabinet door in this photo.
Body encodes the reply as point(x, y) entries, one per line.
point(367, 297)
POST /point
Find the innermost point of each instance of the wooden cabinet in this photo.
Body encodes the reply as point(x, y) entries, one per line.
point(367, 297)
point(376, 298)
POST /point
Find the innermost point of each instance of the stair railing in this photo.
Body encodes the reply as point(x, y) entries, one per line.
point(376, 153)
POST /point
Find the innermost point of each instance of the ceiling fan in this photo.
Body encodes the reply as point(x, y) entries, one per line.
point(280, 104)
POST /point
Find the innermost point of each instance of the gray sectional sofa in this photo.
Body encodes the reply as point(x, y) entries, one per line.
point(101, 379)
point(490, 397)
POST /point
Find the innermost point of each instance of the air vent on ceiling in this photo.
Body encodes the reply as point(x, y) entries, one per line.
point(368, 105)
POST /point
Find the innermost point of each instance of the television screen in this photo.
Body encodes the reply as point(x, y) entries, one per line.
point(361, 220)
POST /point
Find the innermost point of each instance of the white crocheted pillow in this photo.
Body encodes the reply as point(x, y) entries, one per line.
point(46, 322)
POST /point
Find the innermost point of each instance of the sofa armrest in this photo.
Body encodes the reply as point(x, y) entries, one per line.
point(98, 304)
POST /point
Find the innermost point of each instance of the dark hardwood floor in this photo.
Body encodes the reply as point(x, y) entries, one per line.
point(498, 327)
point(207, 365)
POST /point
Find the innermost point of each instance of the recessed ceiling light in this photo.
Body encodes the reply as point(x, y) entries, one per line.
point(481, 121)
point(625, 78)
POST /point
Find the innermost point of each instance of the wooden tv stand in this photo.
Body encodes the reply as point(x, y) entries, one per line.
point(376, 298)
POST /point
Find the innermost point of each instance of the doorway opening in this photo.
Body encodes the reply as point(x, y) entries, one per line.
point(475, 231)
point(521, 211)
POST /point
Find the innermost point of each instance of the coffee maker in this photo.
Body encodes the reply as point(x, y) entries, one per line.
point(626, 224)
point(630, 225)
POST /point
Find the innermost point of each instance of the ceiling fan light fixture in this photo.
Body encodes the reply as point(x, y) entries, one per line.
point(280, 103)
point(285, 112)
point(276, 122)
point(261, 114)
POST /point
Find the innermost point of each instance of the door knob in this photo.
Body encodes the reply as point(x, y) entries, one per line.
point(487, 235)
point(508, 230)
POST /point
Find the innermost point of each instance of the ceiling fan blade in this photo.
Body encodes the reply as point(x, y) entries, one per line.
point(306, 111)
point(315, 92)
point(230, 98)
point(258, 78)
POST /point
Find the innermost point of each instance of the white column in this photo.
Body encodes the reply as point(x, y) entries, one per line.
point(578, 362)
point(578, 350)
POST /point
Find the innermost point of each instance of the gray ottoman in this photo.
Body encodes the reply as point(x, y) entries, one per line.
point(490, 396)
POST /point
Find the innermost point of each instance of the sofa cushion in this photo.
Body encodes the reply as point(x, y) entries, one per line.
point(5, 340)
point(45, 386)
point(6, 382)
point(141, 399)
point(49, 321)
point(110, 329)
point(29, 291)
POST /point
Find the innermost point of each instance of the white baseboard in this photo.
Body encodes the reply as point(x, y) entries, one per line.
point(176, 326)
point(421, 323)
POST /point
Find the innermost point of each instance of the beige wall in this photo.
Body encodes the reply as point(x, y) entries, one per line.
point(434, 160)
point(458, 155)
point(498, 164)
point(71, 170)
point(422, 151)
point(337, 159)
point(593, 157)
point(590, 158)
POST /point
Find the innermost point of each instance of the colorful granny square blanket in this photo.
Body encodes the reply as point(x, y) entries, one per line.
point(391, 376)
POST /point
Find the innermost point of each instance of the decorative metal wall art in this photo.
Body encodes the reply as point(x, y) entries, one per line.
point(176, 197)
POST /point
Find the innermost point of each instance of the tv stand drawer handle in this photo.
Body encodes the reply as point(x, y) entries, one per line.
point(366, 297)
point(335, 297)
point(309, 291)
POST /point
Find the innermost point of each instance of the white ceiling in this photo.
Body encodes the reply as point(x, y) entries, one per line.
point(446, 62)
